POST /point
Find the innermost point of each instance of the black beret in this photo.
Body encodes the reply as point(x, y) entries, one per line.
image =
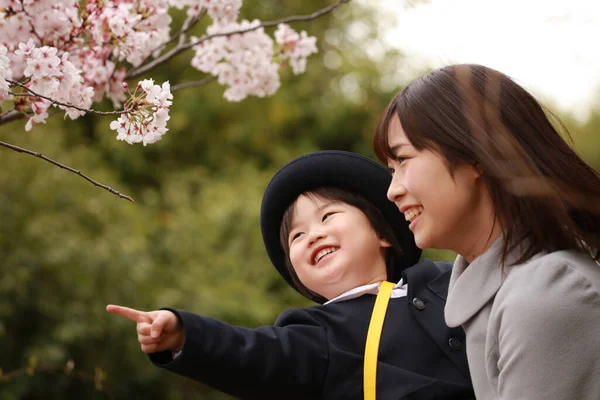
point(341, 169)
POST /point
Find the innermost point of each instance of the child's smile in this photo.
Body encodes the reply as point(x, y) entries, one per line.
point(323, 252)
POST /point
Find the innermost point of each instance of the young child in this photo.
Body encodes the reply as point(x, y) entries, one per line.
point(478, 168)
point(334, 237)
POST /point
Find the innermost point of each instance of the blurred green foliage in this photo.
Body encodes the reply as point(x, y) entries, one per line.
point(192, 238)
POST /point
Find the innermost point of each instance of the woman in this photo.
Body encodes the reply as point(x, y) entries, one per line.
point(478, 168)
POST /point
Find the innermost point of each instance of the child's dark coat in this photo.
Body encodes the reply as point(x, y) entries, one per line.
point(317, 352)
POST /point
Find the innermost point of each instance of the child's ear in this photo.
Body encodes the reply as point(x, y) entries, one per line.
point(384, 243)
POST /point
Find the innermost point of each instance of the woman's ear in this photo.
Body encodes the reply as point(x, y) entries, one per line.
point(384, 243)
point(478, 169)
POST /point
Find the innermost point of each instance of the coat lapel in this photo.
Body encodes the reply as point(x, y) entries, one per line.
point(428, 283)
point(473, 285)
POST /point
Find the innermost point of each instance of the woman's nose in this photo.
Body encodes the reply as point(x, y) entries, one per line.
point(396, 189)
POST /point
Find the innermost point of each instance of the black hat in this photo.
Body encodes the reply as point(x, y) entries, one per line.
point(331, 168)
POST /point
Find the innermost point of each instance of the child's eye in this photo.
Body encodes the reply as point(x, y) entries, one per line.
point(391, 171)
point(296, 236)
point(327, 215)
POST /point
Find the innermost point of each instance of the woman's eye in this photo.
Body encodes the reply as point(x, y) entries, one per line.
point(398, 161)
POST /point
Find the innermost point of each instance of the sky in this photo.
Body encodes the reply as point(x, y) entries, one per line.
point(550, 47)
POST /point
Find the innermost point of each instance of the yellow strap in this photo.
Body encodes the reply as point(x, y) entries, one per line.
point(373, 336)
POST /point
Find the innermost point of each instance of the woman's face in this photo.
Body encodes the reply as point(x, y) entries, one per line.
point(446, 210)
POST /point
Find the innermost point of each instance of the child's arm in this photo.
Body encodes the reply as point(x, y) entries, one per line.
point(271, 362)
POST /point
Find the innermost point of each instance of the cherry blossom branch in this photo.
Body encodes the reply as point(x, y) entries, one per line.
point(186, 85)
point(98, 378)
point(10, 115)
point(293, 18)
point(14, 114)
point(188, 24)
point(39, 155)
point(30, 24)
point(180, 48)
point(34, 94)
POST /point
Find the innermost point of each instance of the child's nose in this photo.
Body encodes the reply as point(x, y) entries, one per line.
point(314, 236)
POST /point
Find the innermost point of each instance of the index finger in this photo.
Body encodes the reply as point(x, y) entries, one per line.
point(129, 313)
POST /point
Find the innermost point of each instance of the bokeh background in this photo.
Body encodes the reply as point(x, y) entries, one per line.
point(192, 239)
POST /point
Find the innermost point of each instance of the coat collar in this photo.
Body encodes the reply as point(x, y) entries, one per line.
point(473, 285)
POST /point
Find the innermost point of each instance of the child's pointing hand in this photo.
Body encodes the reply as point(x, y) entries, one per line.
point(157, 330)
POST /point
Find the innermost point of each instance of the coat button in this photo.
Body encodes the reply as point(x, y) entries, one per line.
point(418, 303)
point(455, 343)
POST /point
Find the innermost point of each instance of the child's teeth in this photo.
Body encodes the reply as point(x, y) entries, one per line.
point(323, 253)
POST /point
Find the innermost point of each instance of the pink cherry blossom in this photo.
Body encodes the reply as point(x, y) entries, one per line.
point(224, 11)
point(243, 62)
point(295, 47)
point(5, 73)
point(42, 62)
point(40, 113)
point(147, 114)
point(77, 53)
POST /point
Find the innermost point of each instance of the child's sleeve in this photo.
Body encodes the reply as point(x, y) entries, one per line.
point(288, 360)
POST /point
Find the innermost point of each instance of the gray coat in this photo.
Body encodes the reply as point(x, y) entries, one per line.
point(533, 333)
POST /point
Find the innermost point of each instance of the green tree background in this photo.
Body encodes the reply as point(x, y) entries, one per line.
point(192, 239)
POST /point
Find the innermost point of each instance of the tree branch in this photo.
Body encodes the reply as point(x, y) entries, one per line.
point(186, 85)
point(97, 379)
point(180, 48)
point(85, 110)
point(39, 155)
point(10, 115)
point(188, 24)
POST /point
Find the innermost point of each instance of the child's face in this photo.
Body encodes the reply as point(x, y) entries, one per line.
point(333, 247)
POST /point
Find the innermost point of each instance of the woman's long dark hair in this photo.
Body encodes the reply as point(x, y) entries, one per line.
point(544, 195)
